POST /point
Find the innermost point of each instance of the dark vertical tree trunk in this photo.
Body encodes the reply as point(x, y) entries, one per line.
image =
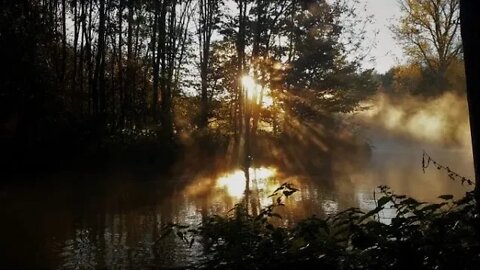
point(181, 46)
point(244, 108)
point(130, 79)
point(75, 47)
point(81, 60)
point(155, 61)
point(470, 26)
point(113, 85)
point(88, 55)
point(166, 112)
point(120, 64)
point(98, 84)
point(241, 63)
point(64, 45)
point(207, 10)
point(162, 40)
point(257, 70)
point(136, 57)
point(101, 72)
point(136, 54)
point(145, 92)
point(56, 39)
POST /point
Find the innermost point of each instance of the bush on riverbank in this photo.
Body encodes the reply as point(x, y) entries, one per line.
point(419, 236)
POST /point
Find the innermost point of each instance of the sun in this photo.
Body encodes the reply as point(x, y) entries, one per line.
point(250, 86)
point(254, 90)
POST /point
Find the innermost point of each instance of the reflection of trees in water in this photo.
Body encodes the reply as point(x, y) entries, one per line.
point(125, 220)
point(122, 235)
point(117, 224)
point(79, 252)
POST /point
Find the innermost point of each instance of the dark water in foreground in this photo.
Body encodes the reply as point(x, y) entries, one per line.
point(61, 223)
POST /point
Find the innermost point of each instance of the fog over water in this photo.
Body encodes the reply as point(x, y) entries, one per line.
point(442, 120)
point(115, 219)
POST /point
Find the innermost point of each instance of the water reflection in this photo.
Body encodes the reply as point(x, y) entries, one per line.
point(115, 220)
point(235, 182)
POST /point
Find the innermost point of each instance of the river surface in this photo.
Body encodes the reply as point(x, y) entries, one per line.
point(75, 221)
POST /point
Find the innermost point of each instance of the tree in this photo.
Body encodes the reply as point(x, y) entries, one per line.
point(156, 52)
point(83, 68)
point(208, 19)
point(98, 83)
point(321, 79)
point(430, 33)
point(471, 42)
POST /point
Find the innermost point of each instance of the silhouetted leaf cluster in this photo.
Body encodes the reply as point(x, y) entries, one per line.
point(419, 235)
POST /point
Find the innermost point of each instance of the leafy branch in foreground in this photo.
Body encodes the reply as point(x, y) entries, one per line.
point(418, 235)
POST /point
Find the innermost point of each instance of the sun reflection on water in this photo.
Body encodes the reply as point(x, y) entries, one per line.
point(235, 182)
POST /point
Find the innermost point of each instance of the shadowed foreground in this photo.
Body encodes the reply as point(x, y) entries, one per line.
point(418, 236)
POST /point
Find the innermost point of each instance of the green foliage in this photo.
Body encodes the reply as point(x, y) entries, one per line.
point(419, 236)
point(321, 75)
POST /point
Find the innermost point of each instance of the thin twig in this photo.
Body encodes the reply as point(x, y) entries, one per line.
point(427, 160)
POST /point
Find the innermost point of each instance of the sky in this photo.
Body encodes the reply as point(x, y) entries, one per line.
point(387, 53)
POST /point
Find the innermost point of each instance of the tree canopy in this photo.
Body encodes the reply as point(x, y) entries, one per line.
point(94, 70)
point(429, 31)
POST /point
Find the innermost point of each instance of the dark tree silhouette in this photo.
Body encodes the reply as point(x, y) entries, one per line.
point(79, 77)
point(470, 22)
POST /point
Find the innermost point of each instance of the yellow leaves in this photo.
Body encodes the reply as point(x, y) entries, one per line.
point(428, 30)
point(407, 77)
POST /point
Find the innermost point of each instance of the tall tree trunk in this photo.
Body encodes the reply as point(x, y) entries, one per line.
point(102, 48)
point(136, 54)
point(207, 8)
point(120, 64)
point(81, 60)
point(470, 27)
point(167, 117)
point(243, 102)
point(165, 101)
point(88, 55)
point(155, 61)
point(130, 79)
point(64, 45)
point(113, 64)
point(241, 62)
point(257, 70)
point(75, 47)
point(98, 84)
point(181, 47)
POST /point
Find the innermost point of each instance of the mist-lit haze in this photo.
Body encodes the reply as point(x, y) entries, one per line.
point(443, 120)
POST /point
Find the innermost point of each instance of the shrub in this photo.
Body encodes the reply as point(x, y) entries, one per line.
point(419, 236)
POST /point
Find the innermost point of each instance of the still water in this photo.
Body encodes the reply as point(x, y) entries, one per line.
point(114, 221)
